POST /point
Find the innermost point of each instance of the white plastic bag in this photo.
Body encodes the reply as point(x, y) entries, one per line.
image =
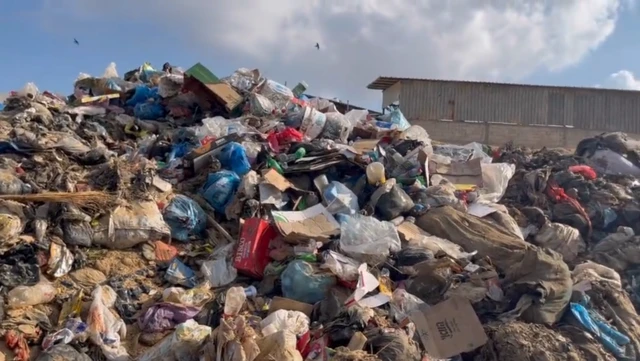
point(356, 116)
point(110, 71)
point(105, 328)
point(340, 265)
point(367, 239)
point(295, 322)
point(181, 345)
point(23, 296)
point(29, 90)
point(495, 179)
point(219, 272)
point(594, 272)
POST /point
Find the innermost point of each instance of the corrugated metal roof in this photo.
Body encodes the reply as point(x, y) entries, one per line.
point(385, 82)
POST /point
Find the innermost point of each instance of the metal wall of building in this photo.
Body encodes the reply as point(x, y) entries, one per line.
point(589, 109)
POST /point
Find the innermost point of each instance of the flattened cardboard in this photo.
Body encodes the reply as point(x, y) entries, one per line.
point(312, 223)
point(281, 303)
point(277, 180)
point(409, 232)
point(449, 328)
point(469, 172)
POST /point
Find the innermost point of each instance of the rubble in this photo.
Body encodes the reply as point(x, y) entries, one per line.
point(173, 214)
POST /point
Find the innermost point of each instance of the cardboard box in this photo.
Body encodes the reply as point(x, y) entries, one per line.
point(312, 223)
point(252, 255)
point(459, 173)
point(281, 303)
point(449, 328)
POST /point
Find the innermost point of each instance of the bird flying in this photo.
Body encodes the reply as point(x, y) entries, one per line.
point(318, 46)
point(76, 41)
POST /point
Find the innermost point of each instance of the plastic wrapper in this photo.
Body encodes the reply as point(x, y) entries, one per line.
point(60, 260)
point(234, 157)
point(304, 282)
point(220, 188)
point(179, 273)
point(185, 217)
point(340, 199)
point(220, 271)
point(23, 296)
point(340, 265)
point(244, 79)
point(367, 239)
point(294, 322)
point(105, 328)
point(337, 127)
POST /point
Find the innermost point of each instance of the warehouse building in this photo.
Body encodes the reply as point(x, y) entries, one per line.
point(495, 113)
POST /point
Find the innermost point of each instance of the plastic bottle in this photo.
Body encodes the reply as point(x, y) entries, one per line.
point(234, 301)
point(250, 291)
point(375, 173)
point(386, 285)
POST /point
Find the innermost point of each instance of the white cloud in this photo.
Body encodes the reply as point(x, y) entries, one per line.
point(623, 79)
point(362, 39)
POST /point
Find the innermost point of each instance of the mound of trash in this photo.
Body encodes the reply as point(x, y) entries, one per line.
point(177, 215)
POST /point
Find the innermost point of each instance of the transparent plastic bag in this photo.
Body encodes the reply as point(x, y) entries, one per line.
point(29, 90)
point(260, 106)
point(38, 294)
point(219, 271)
point(340, 199)
point(367, 239)
point(356, 116)
point(110, 71)
point(495, 179)
point(403, 303)
point(343, 267)
point(336, 127)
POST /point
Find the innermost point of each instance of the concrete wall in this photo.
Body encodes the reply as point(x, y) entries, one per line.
point(458, 132)
point(391, 94)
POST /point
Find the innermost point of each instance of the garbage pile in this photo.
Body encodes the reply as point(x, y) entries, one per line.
point(175, 215)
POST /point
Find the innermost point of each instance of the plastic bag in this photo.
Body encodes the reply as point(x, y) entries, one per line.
point(340, 199)
point(185, 217)
point(12, 221)
point(402, 304)
point(395, 117)
point(187, 337)
point(304, 282)
point(130, 225)
point(234, 157)
point(110, 71)
point(23, 296)
point(356, 116)
point(294, 322)
point(220, 188)
point(219, 272)
point(609, 337)
point(561, 238)
point(141, 95)
point(29, 90)
point(367, 239)
point(105, 328)
point(260, 106)
point(149, 111)
point(62, 352)
point(393, 203)
point(595, 272)
point(437, 244)
point(495, 179)
point(340, 265)
point(337, 127)
point(10, 184)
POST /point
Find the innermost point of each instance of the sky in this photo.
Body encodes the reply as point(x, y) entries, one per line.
point(590, 43)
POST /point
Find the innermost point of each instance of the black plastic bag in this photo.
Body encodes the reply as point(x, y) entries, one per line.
point(393, 203)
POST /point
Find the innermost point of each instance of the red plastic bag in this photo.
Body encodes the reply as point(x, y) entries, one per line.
point(584, 170)
point(279, 139)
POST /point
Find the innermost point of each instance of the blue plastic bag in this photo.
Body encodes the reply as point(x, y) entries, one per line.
point(303, 282)
point(149, 111)
point(185, 217)
point(220, 188)
point(233, 156)
point(609, 337)
point(142, 94)
point(179, 150)
point(179, 273)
